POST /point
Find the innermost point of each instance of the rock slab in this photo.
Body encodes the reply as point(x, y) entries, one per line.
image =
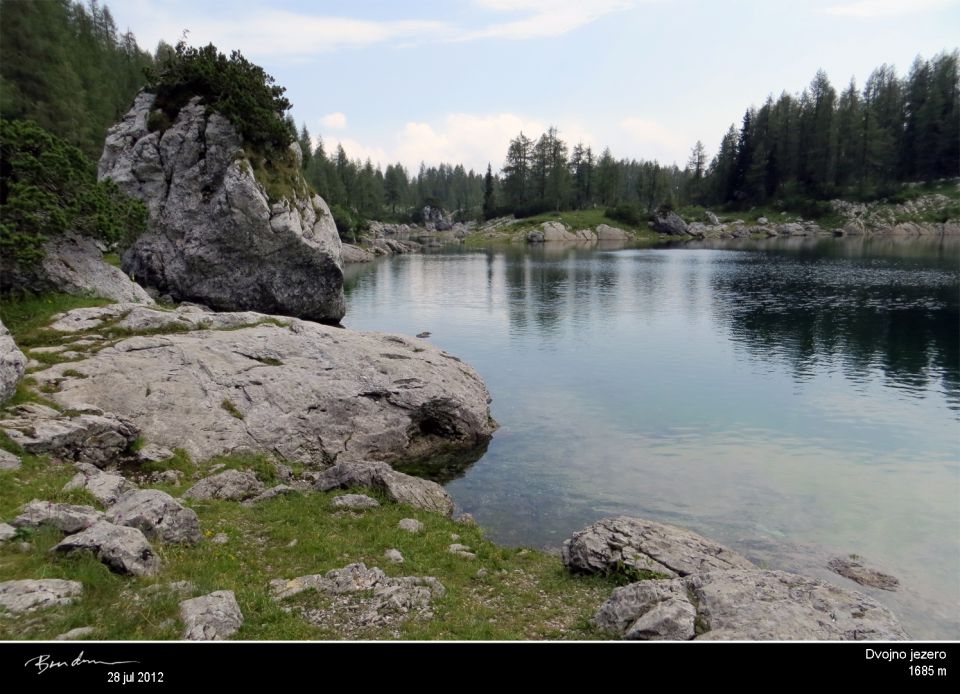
point(212, 617)
point(29, 595)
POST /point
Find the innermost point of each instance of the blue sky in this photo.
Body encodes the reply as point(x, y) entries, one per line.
point(454, 81)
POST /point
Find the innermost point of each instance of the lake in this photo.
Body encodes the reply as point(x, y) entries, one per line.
point(795, 399)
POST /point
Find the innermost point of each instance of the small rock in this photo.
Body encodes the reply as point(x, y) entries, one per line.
point(461, 551)
point(279, 490)
point(852, 567)
point(7, 532)
point(411, 525)
point(172, 477)
point(231, 485)
point(482, 573)
point(454, 537)
point(66, 518)
point(105, 487)
point(8, 461)
point(212, 617)
point(394, 556)
point(762, 220)
point(125, 550)
point(466, 519)
point(28, 595)
point(75, 634)
point(423, 334)
point(292, 543)
point(355, 502)
point(158, 515)
point(398, 486)
point(152, 453)
point(221, 539)
point(181, 587)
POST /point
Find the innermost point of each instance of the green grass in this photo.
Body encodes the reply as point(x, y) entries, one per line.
point(25, 316)
point(112, 259)
point(526, 594)
point(228, 405)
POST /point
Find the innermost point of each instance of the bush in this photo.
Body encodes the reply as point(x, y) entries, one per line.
point(234, 87)
point(48, 187)
point(628, 214)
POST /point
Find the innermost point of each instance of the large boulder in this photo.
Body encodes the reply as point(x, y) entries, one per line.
point(745, 605)
point(300, 391)
point(124, 550)
point(624, 544)
point(215, 234)
point(605, 232)
point(158, 515)
point(669, 223)
point(13, 364)
point(73, 264)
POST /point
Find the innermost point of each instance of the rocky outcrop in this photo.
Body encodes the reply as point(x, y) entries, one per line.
point(29, 595)
point(229, 485)
point(215, 235)
point(67, 518)
point(550, 231)
point(745, 605)
point(86, 437)
point(73, 264)
point(296, 390)
point(13, 364)
point(669, 223)
point(355, 254)
point(124, 550)
point(370, 596)
point(212, 617)
point(158, 515)
point(622, 544)
point(399, 487)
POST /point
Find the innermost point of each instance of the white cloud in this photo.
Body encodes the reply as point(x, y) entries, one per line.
point(334, 121)
point(868, 9)
point(546, 17)
point(460, 138)
point(655, 141)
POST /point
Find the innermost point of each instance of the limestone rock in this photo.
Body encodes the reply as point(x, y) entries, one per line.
point(614, 544)
point(355, 502)
point(212, 617)
point(7, 532)
point(105, 487)
point(28, 595)
point(8, 461)
point(231, 485)
point(853, 567)
point(555, 231)
point(394, 555)
point(711, 218)
point(398, 486)
point(609, 233)
point(66, 518)
point(124, 550)
point(307, 393)
point(411, 525)
point(214, 235)
point(748, 605)
point(158, 515)
point(89, 438)
point(355, 254)
point(669, 223)
point(13, 364)
point(77, 634)
point(273, 492)
point(152, 453)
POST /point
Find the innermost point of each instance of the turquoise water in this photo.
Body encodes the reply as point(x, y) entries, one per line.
point(794, 399)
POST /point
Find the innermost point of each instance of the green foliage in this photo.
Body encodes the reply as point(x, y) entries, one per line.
point(234, 87)
point(228, 405)
point(48, 187)
point(628, 214)
point(27, 316)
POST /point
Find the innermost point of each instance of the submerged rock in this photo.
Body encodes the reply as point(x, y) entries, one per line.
point(748, 605)
point(298, 391)
point(621, 544)
point(215, 234)
point(853, 567)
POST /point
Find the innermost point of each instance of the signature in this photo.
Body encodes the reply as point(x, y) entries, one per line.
point(43, 662)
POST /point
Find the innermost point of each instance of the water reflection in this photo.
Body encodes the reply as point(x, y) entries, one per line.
point(777, 395)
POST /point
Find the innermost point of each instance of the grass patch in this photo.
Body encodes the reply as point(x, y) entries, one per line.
point(526, 594)
point(228, 405)
point(279, 174)
point(25, 394)
point(112, 259)
point(26, 315)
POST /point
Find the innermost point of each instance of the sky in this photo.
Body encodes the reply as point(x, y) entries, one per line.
point(454, 81)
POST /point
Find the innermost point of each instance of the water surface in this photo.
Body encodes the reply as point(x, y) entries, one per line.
point(794, 399)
